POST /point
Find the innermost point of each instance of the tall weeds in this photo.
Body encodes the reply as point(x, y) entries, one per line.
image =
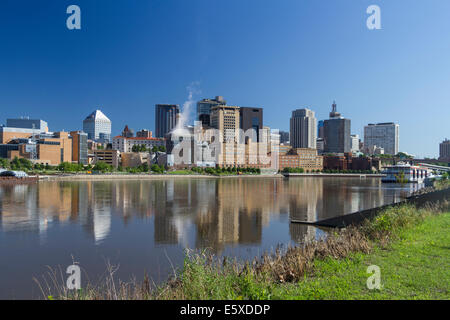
point(205, 276)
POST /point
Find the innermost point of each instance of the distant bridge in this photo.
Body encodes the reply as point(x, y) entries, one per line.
point(434, 167)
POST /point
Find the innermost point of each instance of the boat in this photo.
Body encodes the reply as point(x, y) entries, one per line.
point(16, 177)
point(405, 173)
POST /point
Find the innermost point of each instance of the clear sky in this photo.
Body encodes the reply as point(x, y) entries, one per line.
point(277, 54)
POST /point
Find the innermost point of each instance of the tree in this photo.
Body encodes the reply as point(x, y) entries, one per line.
point(103, 167)
point(21, 164)
point(145, 167)
point(157, 169)
point(4, 163)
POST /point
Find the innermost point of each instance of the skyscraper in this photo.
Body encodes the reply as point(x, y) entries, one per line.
point(303, 129)
point(251, 118)
point(79, 147)
point(355, 143)
point(204, 109)
point(383, 135)
point(226, 120)
point(284, 136)
point(337, 133)
point(97, 126)
point(166, 118)
point(444, 150)
point(320, 129)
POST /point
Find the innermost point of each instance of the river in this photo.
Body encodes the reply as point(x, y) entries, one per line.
point(145, 225)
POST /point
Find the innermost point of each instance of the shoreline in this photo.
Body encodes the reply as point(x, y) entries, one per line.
point(344, 175)
point(143, 177)
point(64, 177)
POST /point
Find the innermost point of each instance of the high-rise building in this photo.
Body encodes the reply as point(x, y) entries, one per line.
point(337, 131)
point(355, 143)
point(320, 129)
point(383, 135)
point(226, 120)
point(303, 129)
point(251, 118)
point(98, 127)
point(320, 145)
point(79, 147)
point(444, 150)
point(204, 109)
point(284, 136)
point(166, 118)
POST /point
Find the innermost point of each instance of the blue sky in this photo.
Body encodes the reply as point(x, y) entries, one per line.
point(279, 55)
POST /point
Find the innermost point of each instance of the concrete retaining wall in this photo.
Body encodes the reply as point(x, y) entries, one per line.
point(360, 216)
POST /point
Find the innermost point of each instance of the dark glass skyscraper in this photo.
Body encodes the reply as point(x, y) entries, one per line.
point(251, 118)
point(204, 109)
point(337, 133)
point(166, 118)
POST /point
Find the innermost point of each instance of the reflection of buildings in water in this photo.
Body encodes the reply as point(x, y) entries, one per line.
point(18, 209)
point(101, 224)
point(224, 211)
point(179, 203)
point(34, 207)
point(95, 207)
point(304, 195)
point(242, 209)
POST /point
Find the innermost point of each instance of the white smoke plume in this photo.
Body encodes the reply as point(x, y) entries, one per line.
point(185, 114)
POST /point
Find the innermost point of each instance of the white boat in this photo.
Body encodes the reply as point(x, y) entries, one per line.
point(406, 173)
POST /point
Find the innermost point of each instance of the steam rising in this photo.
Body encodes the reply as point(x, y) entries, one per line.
point(185, 114)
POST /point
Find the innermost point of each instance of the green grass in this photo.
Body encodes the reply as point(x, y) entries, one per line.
point(414, 263)
point(181, 172)
point(416, 266)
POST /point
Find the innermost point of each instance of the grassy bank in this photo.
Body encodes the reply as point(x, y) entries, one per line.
point(409, 245)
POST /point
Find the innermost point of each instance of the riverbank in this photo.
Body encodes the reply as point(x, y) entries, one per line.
point(117, 176)
point(408, 244)
point(338, 175)
point(101, 177)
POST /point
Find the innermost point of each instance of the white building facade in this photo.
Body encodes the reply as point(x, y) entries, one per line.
point(303, 129)
point(382, 135)
point(124, 144)
point(98, 127)
point(355, 143)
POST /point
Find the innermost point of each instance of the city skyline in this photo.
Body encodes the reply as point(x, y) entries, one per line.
point(388, 75)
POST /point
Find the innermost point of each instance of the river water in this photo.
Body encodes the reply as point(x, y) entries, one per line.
point(143, 226)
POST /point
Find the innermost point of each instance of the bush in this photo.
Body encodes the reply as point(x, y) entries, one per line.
point(69, 167)
point(157, 169)
point(103, 167)
point(4, 163)
point(289, 170)
point(21, 164)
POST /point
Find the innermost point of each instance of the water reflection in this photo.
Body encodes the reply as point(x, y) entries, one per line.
point(215, 212)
